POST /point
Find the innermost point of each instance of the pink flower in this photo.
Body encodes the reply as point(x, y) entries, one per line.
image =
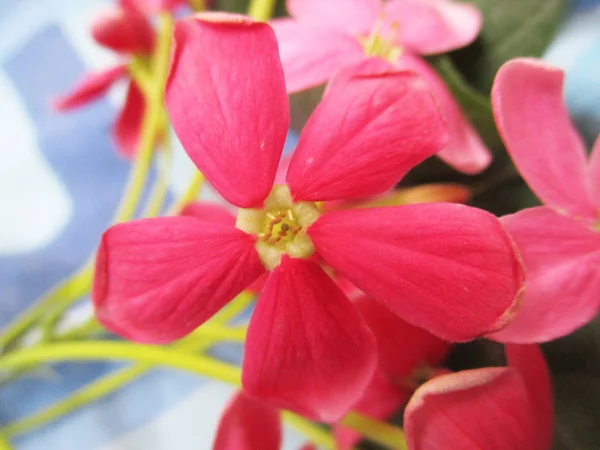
point(247, 423)
point(405, 354)
point(449, 268)
point(127, 31)
point(325, 36)
point(559, 242)
point(493, 408)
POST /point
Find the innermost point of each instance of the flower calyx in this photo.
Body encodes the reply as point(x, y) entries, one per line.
point(280, 226)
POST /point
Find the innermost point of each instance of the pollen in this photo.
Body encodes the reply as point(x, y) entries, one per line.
point(382, 42)
point(280, 227)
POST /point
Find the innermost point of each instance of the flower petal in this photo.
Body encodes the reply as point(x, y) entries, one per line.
point(310, 55)
point(308, 349)
point(465, 151)
point(529, 361)
point(366, 133)
point(594, 176)
point(124, 31)
point(473, 409)
point(561, 258)
point(402, 347)
point(381, 399)
point(534, 124)
point(434, 26)
point(248, 424)
point(153, 6)
point(448, 268)
point(354, 17)
point(92, 86)
point(157, 280)
point(211, 212)
point(128, 126)
point(227, 103)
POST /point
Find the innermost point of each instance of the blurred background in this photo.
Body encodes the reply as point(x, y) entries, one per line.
point(60, 179)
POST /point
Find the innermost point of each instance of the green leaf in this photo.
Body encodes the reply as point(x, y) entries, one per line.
point(476, 106)
point(511, 28)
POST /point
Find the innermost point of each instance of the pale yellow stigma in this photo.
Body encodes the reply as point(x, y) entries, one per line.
point(380, 44)
point(280, 227)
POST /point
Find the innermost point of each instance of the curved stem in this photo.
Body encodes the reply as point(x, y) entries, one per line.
point(379, 432)
point(261, 9)
point(316, 433)
point(90, 351)
point(114, 381)
point(4, 445)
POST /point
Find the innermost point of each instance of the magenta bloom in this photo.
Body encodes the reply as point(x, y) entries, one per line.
point(448, 268)
point(325, 36)
point(559, 242)
point(125, 30)
point(495, 408)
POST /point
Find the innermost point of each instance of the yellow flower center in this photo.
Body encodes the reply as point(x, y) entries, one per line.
point(382, 43)
point(280, 226)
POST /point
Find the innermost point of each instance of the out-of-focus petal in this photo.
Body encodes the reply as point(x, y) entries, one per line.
point(529, 361)
point(561, 259)
point(227, 102)
point(381, 399)
point(402, 347)
point(434, 26)
point(153, 6)
point(465, 151)
point(354, 17)
point(310, 56)
point(124, 31)
point(448, 268)
point(366, 133)
point(473, 409)
point(594, 170)
point(308, 349)
point(248, 424)
point(128, 126)
point(92, 86)
point(534, 124)
point(207, 211)
point(157, 280)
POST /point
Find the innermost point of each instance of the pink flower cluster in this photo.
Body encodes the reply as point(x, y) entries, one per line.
point(428, 274)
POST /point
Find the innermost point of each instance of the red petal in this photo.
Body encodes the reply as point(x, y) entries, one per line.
point(530, 362)
point(534, 124)
point(354, 17)
point(92, 85)
point(211, 212)
point(465, 151)
point(248, 424)
point(473, 409)
point(448, 268)
point(227, 102)
point(153, 6)
point(381, 399)
point(124, 31)
point(402, 347)
point(594, 176)
point(561, 257)
point(372, 126)
point(158, 279)
point(434, 26)
point(308, 348)
point(310, 56)
point(128, 126)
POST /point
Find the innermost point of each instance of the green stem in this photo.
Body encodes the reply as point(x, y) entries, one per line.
point(316, 433)
point(4, 445)
point(72, 288)
point(92, 351)
point(379, 432)
point(114, 381)
point(261, 9)
point(51, 305)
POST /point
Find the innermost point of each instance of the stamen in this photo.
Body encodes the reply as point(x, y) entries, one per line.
point(290, 215)
point(270, 216)
point(276, 220)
